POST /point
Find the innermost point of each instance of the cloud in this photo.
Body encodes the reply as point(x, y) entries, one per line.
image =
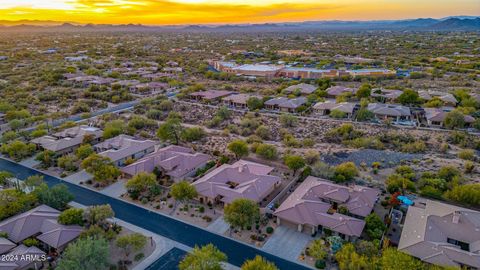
point(226, 11)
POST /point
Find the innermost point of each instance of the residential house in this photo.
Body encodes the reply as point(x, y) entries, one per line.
point(285, 104)
point(292, 105)
point(442, 234)
point(68, 140)
point(174, 161)
point(243, 179)
point(335, 91)
point(148, 88)
point(2, 119)
point(238, 100)
point(326, 107)
point(210, 96)
point(123, 147)
point(390, 111)
point(314, 206)
point(40, 223)
point(386, 95)
point(447, 98)
point(436, 117)
point(302, 88)
point(129, 84)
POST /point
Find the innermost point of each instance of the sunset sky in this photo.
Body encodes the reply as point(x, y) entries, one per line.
point(158, 12)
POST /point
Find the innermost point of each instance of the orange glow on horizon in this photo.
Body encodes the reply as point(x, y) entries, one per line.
point(166, 12)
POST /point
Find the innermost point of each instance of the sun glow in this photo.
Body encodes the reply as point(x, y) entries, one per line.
point(228, 11)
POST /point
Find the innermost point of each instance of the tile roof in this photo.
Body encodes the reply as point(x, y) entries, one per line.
point(243, 179)
point(445, 97)
point(212, 94)
point(428, 227)
point(303, 87)
point(175, 161)
point(240, 98)
point(67, 138)
point(41, 220)
point(346, 107)
point(389, 109)
point(439, 115)
point(338, 90)
point(122, 146)
point(306, 205)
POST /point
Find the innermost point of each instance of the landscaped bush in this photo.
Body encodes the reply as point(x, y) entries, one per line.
point(320, 264)
point(138, 257)
point(269, 230)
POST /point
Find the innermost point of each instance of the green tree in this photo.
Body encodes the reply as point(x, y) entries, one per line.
point(254, 103)
point(141, 183)
point(239, 148)
point(409, 97)
point(14, 201)
point(71, 216)
point(294, 163)
point(267, 151)
point(113, 128)
point(364, 91)
point(454, 119)
point(468, 194)
point(46, 158)
point(193, 134)
point(337, 114)
point(203, 258)
point(288, 120)
point(85, 253)
point(33, 181)
point(263, 132)
point(67, 162)
point(131, 243)
point(171, 129)
point(241, 213)
point(4, 176)
point(83, 151)
point(392, 259)
point(57, 196)
point(349, 259)
point(258, 263)
point(18, 150)
point(101, 168)
point(317, 249)
point(182, 192)
point(345, 172)
point(374, 226)
point(98, 214)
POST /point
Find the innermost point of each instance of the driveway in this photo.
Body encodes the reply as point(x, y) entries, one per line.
point(163, 225)
point(287, 243)
point(76, 178)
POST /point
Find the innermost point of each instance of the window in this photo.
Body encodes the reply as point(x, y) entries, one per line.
point(462, 245)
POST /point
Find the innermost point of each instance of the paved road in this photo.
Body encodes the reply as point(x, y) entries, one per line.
point(75, 118)
point(165, 226)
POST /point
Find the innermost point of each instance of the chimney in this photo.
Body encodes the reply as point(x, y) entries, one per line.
point(243, 168)
point(456, 217)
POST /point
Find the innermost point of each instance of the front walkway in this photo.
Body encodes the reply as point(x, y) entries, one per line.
point(218, 226)
point(287, 243)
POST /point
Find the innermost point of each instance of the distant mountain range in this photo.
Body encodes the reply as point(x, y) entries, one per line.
point(453, 23)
